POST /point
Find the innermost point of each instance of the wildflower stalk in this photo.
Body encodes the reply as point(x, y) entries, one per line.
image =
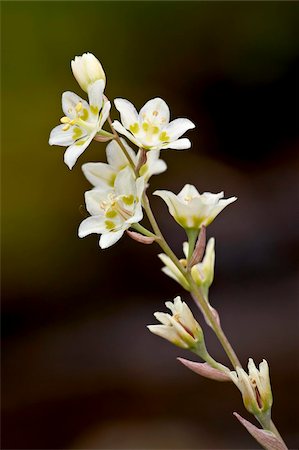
point(195, 292)
point(194, 289)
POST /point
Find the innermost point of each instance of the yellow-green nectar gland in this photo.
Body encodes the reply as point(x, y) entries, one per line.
point(82, 115)
point(113, 207)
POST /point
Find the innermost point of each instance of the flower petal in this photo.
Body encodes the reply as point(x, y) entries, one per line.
point(120, 129)
point(104, 114)
point(155, 111)
point(128, 113)
point(94, 198)
point(180, 144)
point(189, 191)
point(116, 157)
point(125, 183)
point(58, 136)
point(95, 95)
point(178, 127)
point(73, 152)
point(108, 239)
point(93, 224)
point(99, 174)
point(69, 102)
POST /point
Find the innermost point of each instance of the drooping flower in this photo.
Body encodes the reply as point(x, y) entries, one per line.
point(101, 174)
point(82, 121)
point(255, 387)
point(180, 328)
point(114, 209)
point(87, 69)
point(202, 273)
point(151, 129)
point(192, 209)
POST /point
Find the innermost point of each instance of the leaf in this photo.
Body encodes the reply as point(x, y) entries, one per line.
point(266, 438)
point(205, 370)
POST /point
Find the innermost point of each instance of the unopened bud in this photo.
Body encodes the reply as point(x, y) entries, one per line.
point(87, 69)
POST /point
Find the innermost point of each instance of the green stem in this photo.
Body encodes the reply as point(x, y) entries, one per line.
point(192, 236)
point(143, 230)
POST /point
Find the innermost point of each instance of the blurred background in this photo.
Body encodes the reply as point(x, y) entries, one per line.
point(80, 369)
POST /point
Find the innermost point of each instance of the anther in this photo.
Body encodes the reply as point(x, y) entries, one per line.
point(78, 107)
point(64, 119)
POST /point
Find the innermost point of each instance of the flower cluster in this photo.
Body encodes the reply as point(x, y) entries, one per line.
point(117, 202)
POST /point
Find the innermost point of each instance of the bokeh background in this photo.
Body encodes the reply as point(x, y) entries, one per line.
point(80, 369)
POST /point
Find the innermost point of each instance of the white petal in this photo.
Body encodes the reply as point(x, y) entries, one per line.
point(124, 183)
point(95, 94)
point(189, 191)
point(108, 239)
point(93, 200)
point(120, 129)
point(164, 318)
point(138, 215)
point(169, 198)
point(104, 114)
point(153, 165)
point(99, 174)
point(185, 249)
point(180, 144)
point(60, 137)
point(73, 152)
point(178, 127)
point(93, 224)
point(155, 111)
point(69, 102)
point(116, 157)
point(128, 113)
point(168, 333)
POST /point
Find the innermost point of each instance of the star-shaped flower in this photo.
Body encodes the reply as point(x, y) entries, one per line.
point(192, 209)
point(82, 121)
point(151, 129)
point(113, 209)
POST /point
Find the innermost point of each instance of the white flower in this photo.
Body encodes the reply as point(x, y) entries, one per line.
point(192, 209)
point(202, 273)
point(101, 174)
point(150, 129)
point(82, 121)
point(255, 387)
point(181, 328)
point(87, 69)
point(114, 209)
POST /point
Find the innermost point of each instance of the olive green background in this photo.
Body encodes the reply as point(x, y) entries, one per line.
point(80, 370)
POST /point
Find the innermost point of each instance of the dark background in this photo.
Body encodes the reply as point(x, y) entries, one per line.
point(80, 370)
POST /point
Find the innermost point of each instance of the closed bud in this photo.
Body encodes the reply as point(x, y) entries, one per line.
point(87, 69)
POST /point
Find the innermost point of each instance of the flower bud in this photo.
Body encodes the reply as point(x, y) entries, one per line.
point(181, 328)
point(203, 272)
point(255, 387)
point(87, 69)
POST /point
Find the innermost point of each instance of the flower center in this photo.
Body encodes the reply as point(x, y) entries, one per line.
point(82, 115)
point(114, 205)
